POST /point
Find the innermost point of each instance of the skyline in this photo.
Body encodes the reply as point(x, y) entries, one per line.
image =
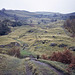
point(61, 6)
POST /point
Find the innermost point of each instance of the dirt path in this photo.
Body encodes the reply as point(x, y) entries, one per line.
point(46, 65)
point(43, 67)
point(28, 70)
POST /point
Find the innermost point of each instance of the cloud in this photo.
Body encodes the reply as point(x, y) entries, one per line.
point(63, 6)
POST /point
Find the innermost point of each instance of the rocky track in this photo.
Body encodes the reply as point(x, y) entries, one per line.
point(43, 67)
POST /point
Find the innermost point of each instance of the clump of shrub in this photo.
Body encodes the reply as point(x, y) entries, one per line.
point(72, 64)
point(44, 57)
point(66, 57)
point(4, 29)
point(14, 52)
point(70, 25)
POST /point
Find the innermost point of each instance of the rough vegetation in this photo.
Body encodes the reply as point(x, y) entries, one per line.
point(14, 52)
point(4, 29)
point(11, 65)
point(66, 57)
point(34, 35)
point(70, 25)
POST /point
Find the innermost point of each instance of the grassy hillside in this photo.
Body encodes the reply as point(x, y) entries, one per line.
point(25, 15)
point(14, 66)
point(20, 13)
point(39, 38)
point(41, 35)
point(11, 65)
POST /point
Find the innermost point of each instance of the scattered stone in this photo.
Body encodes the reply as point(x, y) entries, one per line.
point(43, 42)
point(31, 31)
point(25, 45)
point(38, 56)
point(15, 44)
point(53, 44)
point(72, 48)
point(25, 48)
point(45, 31)
point(35, 44)
point(10, 45)
point(54, 36)
point(37, 47)
point(2, 46)
point(62, 45)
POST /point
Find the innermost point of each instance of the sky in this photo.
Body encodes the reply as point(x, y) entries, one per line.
point(61, 6)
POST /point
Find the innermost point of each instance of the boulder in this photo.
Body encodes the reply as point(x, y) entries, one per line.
point(30, 31)
point(25, 45)
point(13, 44)
point(62, 45)
point(72, 48)
point(35, 44)
point(2, 46)
point(10, 45)
point(37, 47)
point(45, 31)
point(43, 42)
point(54, 36)
point(53, 44)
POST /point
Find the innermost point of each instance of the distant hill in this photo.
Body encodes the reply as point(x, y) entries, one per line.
point(53, 13)
point(56, 15)
point(24, 15)
point(20, 13)
point(11, 14)
point(48, 13)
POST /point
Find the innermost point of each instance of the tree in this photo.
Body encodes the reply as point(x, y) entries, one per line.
point(70, 25)
point(14, 52)
point(4, 29)
point(15, 18)
point(3, 10)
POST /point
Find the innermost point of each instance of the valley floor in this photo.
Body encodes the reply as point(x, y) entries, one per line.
point(14, 66)
point(32, 41)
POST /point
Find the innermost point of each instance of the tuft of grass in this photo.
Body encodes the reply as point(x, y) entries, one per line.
point(25, 53)
point(11, 65)
point(57, 65)
point(5, 40)
point(38, 69)
point(40, 33)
